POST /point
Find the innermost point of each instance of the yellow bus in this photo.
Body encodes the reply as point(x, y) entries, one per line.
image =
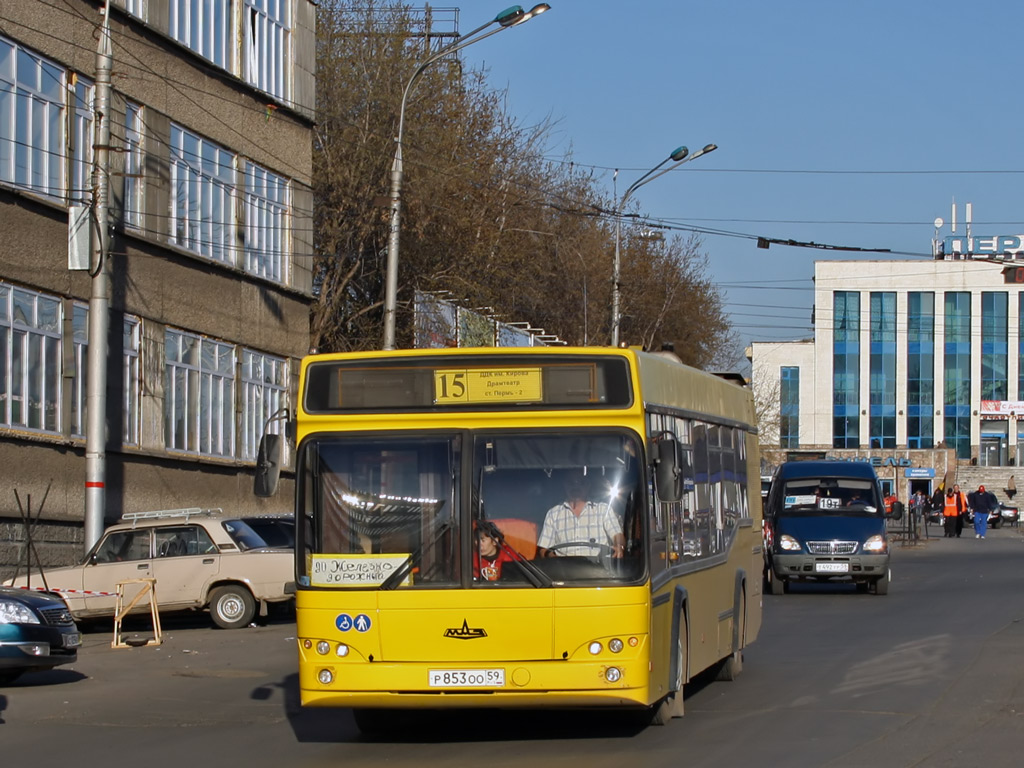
point(520, 527)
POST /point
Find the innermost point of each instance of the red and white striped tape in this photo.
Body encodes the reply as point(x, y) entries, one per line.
point(72, 591)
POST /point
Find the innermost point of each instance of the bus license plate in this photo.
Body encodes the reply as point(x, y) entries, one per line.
point(832, 567)
point(466, 678)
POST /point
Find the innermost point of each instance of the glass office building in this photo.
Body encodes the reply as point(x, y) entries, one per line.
point(907, 356)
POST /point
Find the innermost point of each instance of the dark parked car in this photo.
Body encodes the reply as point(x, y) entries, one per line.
point(275, 530)
point(36, 632)
point(1005, 514)
point(826, 520)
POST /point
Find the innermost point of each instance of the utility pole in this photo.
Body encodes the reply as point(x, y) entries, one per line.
point(99, 300)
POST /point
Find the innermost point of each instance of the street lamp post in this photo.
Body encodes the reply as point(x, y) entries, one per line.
point(679, 156)
point(510, 17)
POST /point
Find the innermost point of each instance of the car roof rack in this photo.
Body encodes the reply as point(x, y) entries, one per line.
point(157, 514)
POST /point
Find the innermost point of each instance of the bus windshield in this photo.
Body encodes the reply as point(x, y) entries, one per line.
point(472, 510)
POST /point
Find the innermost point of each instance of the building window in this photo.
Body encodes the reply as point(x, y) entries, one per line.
point(882, 384)
point(30, 325)
point(267, 35)
point(205, 27)
point(920, 370)
point(203, 185)
point(266, 222)
point(957, 374)
point(994, 345)
point(264, 392)
point(80, 350)
point(846, 370)
point(789, 407)
point(199, 394)
point(130, 380)
point(134, 167)
point(136, 8)
point(82, 141)
point(31, 121)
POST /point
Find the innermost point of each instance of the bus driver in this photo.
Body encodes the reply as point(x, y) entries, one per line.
point(593, 525)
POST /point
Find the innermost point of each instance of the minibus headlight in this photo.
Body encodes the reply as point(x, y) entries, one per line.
point(615, 645)
point(325, 676)
point(788, 543)
point(323, 647)
point(595, 648)
point(341, 650)
point(875, 544)
point(613, 674)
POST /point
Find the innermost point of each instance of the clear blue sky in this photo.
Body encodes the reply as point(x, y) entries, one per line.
point(838, 122)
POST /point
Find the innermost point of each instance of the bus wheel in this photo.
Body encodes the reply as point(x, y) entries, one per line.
point(232, 606)
point(661, 712)
point(730, 667)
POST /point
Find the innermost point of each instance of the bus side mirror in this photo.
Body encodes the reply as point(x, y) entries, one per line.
point(268, 466)
point(897, 511)
point(668, 471)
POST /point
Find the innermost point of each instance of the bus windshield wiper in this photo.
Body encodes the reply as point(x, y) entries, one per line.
point(535, 575)
point(399, 574)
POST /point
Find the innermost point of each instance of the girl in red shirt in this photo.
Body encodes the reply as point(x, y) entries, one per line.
point(488, 557)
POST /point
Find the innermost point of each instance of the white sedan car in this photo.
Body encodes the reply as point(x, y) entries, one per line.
point(200, 559)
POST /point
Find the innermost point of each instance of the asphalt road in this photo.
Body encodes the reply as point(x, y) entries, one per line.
point(930, 675)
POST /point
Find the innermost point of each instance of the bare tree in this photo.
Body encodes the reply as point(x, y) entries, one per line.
point(487, 217)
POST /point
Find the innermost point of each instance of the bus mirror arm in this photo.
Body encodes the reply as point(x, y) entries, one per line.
point(268, 456)
point(268, 466)
point(668, 470)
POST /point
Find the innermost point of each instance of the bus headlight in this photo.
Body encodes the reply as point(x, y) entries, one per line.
point(788, 543)
point(341, 650)
point(325, 676)
point(323, 647)
point(595, 648)
point(615, 645)
point(875, 544)
point(613, 674)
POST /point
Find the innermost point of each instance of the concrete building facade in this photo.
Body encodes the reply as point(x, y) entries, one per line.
point(211, 208)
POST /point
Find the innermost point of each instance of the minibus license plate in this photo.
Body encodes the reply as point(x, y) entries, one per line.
point(832, 567)
point(466, 678)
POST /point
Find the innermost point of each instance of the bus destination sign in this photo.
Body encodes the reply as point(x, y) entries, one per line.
point(487, 385)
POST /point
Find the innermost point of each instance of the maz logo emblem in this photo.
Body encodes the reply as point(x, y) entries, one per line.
point(465, 632)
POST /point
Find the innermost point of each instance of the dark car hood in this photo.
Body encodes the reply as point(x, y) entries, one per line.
point(32, 598)
point(829, 527)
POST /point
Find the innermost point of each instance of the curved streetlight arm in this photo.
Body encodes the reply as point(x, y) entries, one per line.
point(648, 177)
point(510, 17)
point(680, 156)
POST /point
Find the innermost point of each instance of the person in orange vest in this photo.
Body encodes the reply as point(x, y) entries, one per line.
point(955, 505)
point(949, 514)
point(964, 505)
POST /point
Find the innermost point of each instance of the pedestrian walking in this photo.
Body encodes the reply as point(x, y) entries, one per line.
point(950, 514)
point(963, 506)
point(983, 503)
point(918, 509)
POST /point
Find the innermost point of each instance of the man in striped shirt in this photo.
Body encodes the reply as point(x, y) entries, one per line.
point(590, 527)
